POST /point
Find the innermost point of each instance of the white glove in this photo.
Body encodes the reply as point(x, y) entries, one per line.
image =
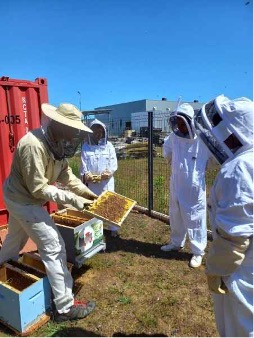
point(87, 193)
point(59, 196)
point(88, 177)
point(105, 175)
point(226, 253)
point(80, 202)
point(96, 178)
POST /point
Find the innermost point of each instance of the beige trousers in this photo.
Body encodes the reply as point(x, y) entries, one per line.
point(34, 221)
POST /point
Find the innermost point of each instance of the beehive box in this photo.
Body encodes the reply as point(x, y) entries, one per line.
point(111, 207)
point(82, 234)
point(33, 260)
point(25, 299)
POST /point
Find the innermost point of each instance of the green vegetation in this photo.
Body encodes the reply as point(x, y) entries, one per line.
point(138, 289)
point(75, 163)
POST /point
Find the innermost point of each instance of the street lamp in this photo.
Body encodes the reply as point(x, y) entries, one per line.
point(79, 100)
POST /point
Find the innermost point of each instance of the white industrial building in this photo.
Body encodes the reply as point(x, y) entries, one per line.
point(134, 115)
point(160, 120)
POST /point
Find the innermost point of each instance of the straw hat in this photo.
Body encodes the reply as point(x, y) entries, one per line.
point(67, 114)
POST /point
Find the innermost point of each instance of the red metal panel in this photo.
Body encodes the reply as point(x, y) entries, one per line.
point(20, 102)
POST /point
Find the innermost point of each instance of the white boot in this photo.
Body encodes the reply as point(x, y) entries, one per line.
point(196, 261)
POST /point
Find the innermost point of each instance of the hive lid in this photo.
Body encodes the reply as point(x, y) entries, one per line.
point(111, 207)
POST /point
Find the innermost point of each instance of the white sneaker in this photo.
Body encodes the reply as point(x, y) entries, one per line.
point(196, 261)
point(170, 247)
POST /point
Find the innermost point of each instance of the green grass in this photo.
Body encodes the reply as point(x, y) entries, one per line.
point(124, 300)
point(138, 289)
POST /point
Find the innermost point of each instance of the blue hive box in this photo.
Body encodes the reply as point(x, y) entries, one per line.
point(25, 299)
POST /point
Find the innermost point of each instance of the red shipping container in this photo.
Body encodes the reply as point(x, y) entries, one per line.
point(20, 111)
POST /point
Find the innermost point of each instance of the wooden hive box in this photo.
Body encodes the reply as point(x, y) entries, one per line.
point(33, 260)
point(82, 234)
point(25, 299)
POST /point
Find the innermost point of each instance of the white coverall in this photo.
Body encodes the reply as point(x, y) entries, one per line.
point(98, 158)
point(187, 210)
point(231, 216)
point(26, 190)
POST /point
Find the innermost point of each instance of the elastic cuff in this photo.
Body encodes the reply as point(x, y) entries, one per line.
point(63, 305)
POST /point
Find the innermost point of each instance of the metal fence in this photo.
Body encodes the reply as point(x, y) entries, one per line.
point(143, 174)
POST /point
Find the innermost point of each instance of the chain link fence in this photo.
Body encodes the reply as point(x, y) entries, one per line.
point(132, 178)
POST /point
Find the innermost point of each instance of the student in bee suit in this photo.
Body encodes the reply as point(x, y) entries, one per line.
point(99, 162)
point(188, 158)
point(226, 127)
point(39, 161)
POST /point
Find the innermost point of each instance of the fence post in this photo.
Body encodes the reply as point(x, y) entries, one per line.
point(150, 162)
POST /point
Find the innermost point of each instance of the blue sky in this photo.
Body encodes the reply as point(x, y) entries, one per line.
point(114, 51)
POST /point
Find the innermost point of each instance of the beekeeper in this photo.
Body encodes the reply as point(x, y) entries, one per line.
point(188, 158)
point(99, 162)
point(39, 161)
point(226, 127)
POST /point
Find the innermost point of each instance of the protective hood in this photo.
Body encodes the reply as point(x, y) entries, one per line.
point(237, 115)
point(185, 112)
point(61, 149)
point(222, 117)
point(102, 141)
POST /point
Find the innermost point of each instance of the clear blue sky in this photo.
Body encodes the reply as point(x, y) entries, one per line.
point(114, 51)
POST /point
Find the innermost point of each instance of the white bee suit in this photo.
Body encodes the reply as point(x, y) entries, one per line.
point(98, 158)
point(234, 311)
point(231, 215)
point(187, 191)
